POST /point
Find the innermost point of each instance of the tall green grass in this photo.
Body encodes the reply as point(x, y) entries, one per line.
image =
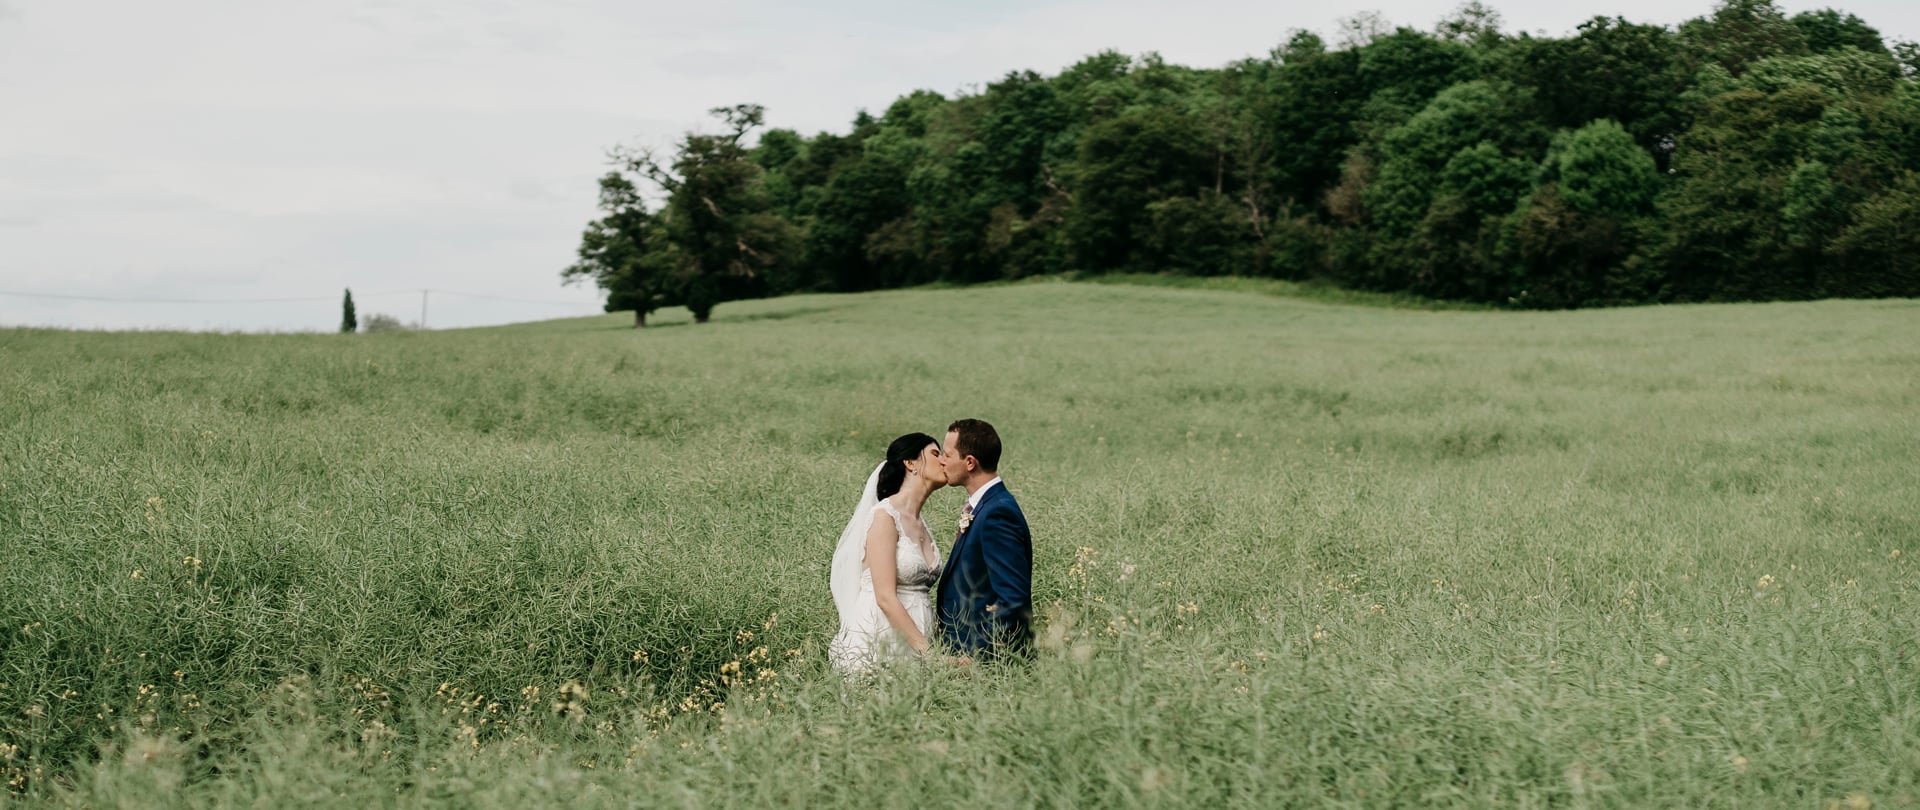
point(1288, 552)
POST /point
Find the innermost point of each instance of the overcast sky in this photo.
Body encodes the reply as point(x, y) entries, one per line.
point(241, 149)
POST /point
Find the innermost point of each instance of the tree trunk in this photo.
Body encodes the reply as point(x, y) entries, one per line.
point(639, 319)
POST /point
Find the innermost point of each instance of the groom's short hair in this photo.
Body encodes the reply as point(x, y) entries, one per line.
point(978, 439)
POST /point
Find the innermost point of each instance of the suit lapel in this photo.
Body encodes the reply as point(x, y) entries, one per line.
point(992, 494)
point(953, 554)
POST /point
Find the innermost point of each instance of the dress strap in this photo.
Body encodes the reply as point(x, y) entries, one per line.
point(899, 521)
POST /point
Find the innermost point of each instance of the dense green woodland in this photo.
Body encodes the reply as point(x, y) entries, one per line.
point(1743, 155)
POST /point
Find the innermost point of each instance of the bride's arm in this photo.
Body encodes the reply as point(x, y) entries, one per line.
point(882, 538)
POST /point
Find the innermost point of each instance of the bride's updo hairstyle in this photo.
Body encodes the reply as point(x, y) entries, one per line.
point(894, 473)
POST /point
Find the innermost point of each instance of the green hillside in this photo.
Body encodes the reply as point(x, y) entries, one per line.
point(1291, 552)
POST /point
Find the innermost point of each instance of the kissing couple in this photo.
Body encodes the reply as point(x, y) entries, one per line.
point(887, 565)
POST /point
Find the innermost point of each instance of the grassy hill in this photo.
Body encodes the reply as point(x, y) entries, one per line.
point(1290, 552)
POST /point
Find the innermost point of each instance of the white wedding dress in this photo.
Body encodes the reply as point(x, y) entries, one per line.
point(866, 638)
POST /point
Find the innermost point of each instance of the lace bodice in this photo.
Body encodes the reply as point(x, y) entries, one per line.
point(912, 570)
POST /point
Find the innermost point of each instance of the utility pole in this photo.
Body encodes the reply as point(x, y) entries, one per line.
point(423, 308)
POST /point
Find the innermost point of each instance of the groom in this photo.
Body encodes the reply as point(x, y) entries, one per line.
point(985, 600)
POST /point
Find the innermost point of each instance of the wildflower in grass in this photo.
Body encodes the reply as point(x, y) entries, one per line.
point(572, 702)
point(1739, 763)
point(743, 636)
point(136, 573)
point(1765, 581)
point(1082, 565)
point(1320, 633)
point(1660, 659)
point(191, 562)
point(375, 733)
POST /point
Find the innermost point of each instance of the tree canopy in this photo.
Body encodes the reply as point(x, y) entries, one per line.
point(1746, 154)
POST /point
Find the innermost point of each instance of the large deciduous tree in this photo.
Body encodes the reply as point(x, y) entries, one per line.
point(625, 252)
point(1126, 163)
point(1572, 242)
point(718, 220)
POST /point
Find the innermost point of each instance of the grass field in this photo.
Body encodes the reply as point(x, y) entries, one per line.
point(1290, 552)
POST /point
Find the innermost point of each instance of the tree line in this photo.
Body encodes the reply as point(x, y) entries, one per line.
point(1743, 155)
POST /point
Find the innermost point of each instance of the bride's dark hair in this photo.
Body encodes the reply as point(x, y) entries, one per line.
point(893, 474)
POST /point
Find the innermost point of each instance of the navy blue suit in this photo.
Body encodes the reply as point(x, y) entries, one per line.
point(985, 603)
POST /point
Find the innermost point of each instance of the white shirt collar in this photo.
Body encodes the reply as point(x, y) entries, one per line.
point(973, 500)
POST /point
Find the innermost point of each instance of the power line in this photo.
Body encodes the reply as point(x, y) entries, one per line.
point(513, 300)
point(65, 297)
point(310, 299)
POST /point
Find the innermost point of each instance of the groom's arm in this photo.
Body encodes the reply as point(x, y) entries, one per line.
point(1009, 569)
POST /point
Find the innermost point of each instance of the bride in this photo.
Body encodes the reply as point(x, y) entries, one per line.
point(887, 561)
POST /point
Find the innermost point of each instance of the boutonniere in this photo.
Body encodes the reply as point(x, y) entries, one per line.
point(966, 519)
